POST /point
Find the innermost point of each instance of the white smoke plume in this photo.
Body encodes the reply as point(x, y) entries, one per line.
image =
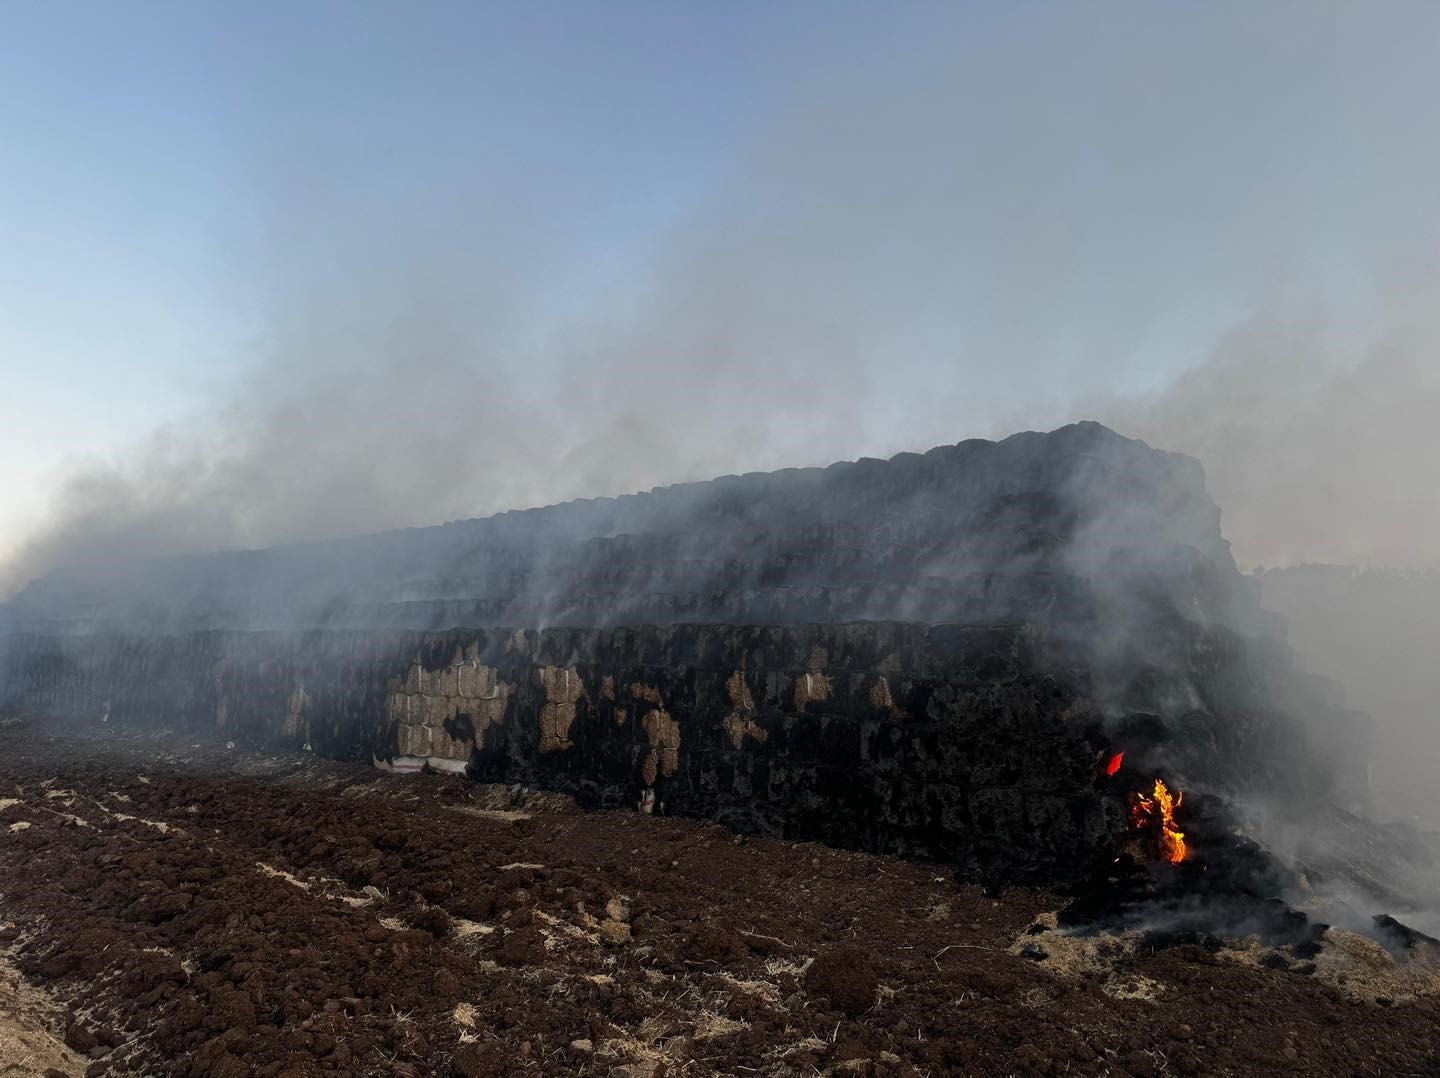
point(943, 233)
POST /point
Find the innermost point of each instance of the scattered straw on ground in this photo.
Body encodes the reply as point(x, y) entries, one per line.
point(1132, 986)
point(464, 1015)
point(281, 874)
point(1362, 969)
point(503, 815)
point(464, 928)
point(30, 1022)
point(1074, 955)
point(159, 825)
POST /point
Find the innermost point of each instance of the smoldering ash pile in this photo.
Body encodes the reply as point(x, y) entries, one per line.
point(1026, 658)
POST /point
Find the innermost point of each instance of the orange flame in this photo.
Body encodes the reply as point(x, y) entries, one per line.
point(1157, 813)
point(1114, 764)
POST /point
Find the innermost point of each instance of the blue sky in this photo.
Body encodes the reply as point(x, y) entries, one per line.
point(727, 235)
point(144, 145)
point(146, 152)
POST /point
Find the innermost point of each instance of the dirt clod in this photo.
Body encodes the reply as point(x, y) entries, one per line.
point(523, 947)
point(846, 977)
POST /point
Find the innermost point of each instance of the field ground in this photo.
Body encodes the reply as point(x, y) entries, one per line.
point(171, 909)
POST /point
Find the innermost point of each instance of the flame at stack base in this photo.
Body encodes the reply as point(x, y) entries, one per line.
point(1155, 815)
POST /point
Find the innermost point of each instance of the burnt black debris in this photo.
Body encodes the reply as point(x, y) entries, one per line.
point(1401, 940)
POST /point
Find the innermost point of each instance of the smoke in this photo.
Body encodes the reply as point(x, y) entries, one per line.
point(1316, 451)
point(969, 231)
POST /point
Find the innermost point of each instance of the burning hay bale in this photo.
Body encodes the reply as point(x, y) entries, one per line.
point(1033, 660)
